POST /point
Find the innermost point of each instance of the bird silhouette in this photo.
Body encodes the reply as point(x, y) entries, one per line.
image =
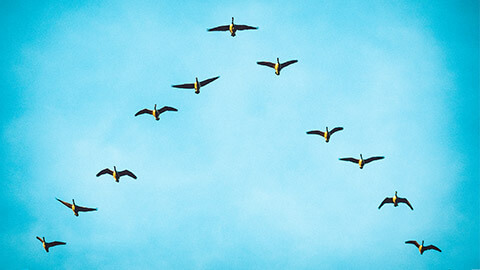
point(232, 28)
point(277, 66)
point(196, 85)
point(116, 175)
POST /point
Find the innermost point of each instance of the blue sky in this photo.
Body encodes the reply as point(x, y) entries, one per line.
point(231, 180)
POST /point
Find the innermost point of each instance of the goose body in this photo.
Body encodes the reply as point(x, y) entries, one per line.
point(325, 134)
point(116, 175)
point(422, 248)
point(196, 85)
point(48, 245)
point(395, 200)
point(232, 28)
point(156, 113)
point(361, 162)
point(277, 66)
point(75, 208)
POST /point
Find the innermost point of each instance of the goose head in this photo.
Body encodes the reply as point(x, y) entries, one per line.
point(361, 157)
point(232, 20)
point(278, 61)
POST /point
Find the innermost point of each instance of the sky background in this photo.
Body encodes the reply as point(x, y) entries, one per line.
point(231, 180)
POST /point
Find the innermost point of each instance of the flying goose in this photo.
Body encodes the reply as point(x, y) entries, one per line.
point(395, 200)
point(325, 134)
point(156, 113)
point(46, 245)
point(116, 175)
point(76, 208)
point(196, 85)
point(361, 162)
point(232, 28)
point(421, 247)
point(277, 66)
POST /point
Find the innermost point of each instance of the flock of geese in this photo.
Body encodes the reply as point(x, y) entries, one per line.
point(233, 28)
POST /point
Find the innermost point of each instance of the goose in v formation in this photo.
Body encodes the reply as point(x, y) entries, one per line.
point(325, 134)
point(116, 175)
point(277, 66)
point(156, 113)
point(75, 208)
point(421, 247)
point(361, 162)
point(232, 28)
point(48, 245)
point(395, 200)
point(196, 85)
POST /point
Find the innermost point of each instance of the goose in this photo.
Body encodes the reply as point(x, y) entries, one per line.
point(75, 208)
point(232, 28)
point(361, 162)
point(325, 134)
point(277, 66)
point(421, 247)
point(396, 200)
point(116, 175)
point(46, 245)
point(196, 85)
point(156, 113)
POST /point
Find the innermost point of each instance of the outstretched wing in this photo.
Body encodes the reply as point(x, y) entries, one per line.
point(184, 86)
point(69, 205)
point(56, 243)
point(288, 63)
point(220, 28)
point(405, 201)
point(127, 172)
point(244, 27)
point(354, 160)
point(207, 81)
point(316, 132)
point(85, 209)
point(387, 200)
point(41, 240)
point(412, 242)
point(335, 130)
point(268, 64)
point(432, 247)
point(147, 111)
point(105, 171)
point(167, 108)
point(368, 160)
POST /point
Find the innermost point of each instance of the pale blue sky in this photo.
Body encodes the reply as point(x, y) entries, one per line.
point(231, 180)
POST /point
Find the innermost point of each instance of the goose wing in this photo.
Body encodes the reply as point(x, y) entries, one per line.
point(268, 64)
point(56, 243)
point(69, 205)
point(244, 27)
point(85, 209)
point(387, 200)
point(354, 160)
point(127, 172)
point(207, 81)
point(413, 242)
point(335, 130)
point(220, 28)
point(41, 240)
point(405, 201)
point(185, 86)
point(105, 171)
point(288, 63)
point(167, 108)
point(368, 160)
point(316, 132)
point(432, 247)
point(147, 111)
